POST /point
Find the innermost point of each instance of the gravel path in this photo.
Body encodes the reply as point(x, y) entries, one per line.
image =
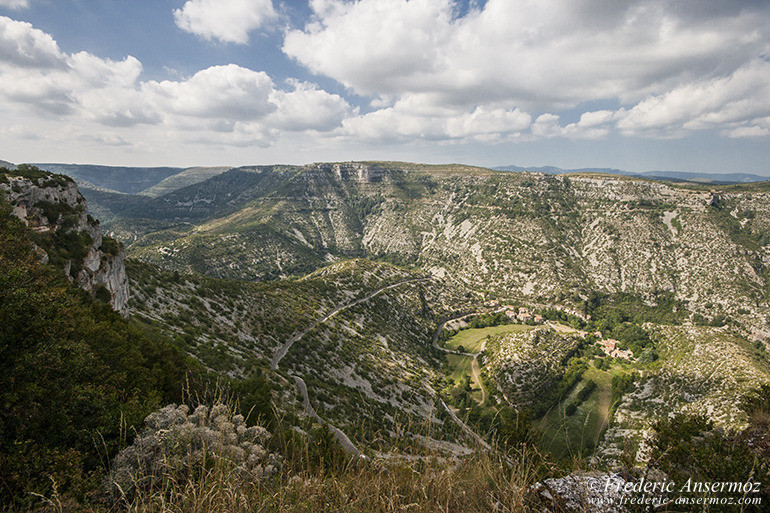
point(310, 411)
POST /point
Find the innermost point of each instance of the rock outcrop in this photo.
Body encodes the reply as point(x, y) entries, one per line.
point(593, 492)
point(53, 208)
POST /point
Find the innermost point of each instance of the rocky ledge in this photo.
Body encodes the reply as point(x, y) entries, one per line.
point(53, 208)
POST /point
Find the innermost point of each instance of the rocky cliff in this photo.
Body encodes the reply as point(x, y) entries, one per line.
point(53, 208)
point(539, 238)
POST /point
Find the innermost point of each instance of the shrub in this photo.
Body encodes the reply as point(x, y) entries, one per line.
point(175, 447)
point(110, 246)
point(102, 294)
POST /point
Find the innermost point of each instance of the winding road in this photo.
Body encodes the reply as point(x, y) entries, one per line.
point(476, 374)
point(338, 433)
point(475, 368)
point(344, 440)
point(279, 355)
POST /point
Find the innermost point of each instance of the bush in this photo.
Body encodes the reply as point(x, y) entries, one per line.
point(176, 447)
point(584, 392)
point(102, 294)
point(34, 173)
point(621, 383)
point(689, 447)
point(110, 246)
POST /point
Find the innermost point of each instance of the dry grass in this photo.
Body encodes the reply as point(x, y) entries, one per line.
point(317, 476)
point(479, 483)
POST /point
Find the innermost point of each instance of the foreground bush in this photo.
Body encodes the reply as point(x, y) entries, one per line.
point(176, 448)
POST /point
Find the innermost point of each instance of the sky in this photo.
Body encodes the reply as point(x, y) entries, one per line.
point(638, 85)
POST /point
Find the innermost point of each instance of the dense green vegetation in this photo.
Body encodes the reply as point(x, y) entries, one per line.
point(77, 379)
point(572, 428)
point(75, 376)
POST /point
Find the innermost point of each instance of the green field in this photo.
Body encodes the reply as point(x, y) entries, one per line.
point(472, 339)
point(565, 436)
point(460, 365)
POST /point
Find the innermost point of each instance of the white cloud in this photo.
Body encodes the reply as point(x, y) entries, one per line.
point(740, 98)
point(373, 46)
point(534, 55)
point(307, 108)
point(23, 45)
point(14, 4)
point(103, 138)
point(534, 51)
point(592, 125)
point(34, 71)
point(223, 105)
point(748, 131)
point(420, 117)
point(20, 132)
point(229, 92)
point(229, 21)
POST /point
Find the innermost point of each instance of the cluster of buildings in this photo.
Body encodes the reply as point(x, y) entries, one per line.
point(609, 345)
point(610, 348)
point(524, 314)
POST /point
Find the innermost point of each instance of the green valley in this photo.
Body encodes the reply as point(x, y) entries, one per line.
point(405, 314)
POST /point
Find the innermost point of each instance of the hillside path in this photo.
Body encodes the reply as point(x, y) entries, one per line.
point(279, 355)
point(338, 433)
point(344, 440)
point(475, 367)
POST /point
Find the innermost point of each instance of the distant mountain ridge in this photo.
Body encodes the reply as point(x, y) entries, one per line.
point(720, 178)
point(128, 180)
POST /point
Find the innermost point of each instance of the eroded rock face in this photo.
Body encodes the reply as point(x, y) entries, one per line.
point(587, 492)
point(525, 236)
point(53, 205)
point(355, 171)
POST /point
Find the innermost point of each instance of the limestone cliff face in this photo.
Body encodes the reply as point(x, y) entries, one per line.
point(539, 238)
point(53, 208)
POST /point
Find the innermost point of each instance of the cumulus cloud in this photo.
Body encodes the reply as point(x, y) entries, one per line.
point(23, 45)
point(537, 55)
point(34, 70)
point(306, 107)
point(228, 104)
point(748, 131)
point(592, 125)
point(741, 98)
point(421, 117)
point(230, 92)
point(228, 21)
point(500, 71)
point(533, 52)
point(373, 46)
